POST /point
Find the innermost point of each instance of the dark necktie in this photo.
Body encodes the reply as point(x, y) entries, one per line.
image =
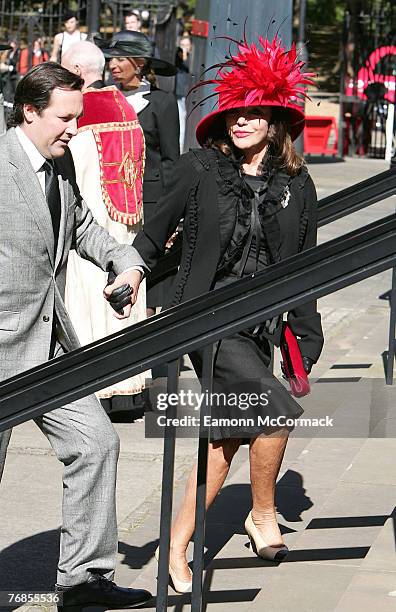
point(53, 197)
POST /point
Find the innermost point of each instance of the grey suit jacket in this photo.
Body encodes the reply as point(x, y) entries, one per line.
point(32, 276)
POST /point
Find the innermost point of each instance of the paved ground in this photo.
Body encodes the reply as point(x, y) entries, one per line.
point(335, 495)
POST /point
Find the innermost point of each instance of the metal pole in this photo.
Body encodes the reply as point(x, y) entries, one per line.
point(390, 121)
point(93, 17)
point(2, 117)
point(302, 49)
point(340, 144)
point(392, 331)
point(198, 60)
point(31, 22)
point(167, 492)
point(200, 507)
point(301, 24)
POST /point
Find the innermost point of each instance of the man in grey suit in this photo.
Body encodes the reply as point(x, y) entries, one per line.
point(42, 217)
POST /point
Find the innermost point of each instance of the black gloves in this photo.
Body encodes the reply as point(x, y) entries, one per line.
point(121, 296)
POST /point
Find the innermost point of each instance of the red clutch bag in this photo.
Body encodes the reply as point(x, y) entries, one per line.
point(293, 367)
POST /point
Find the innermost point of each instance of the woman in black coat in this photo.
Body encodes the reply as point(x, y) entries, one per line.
point(248, 202)
point(134, 68)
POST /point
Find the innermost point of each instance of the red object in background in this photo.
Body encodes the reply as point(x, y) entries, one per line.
point(317, 135)
point(370, 74)
point(293, 366)
point(23, 65)
point(200, 28)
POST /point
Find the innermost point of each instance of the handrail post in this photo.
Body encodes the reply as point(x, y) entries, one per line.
point(200, 507)
point(392, 332)
point(167, 491)
point(2, 115)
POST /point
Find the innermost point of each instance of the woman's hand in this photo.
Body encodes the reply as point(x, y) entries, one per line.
point(171, 240)
point(307, 364)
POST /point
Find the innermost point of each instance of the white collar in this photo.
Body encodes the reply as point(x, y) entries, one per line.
point(136, 97)
point(143, 89)
point(34, 155)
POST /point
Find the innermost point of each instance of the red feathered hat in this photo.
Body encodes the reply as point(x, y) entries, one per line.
point(270, 76)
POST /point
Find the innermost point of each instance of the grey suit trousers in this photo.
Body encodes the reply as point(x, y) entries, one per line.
point(85, 441)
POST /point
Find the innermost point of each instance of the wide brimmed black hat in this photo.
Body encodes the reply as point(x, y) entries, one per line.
point(134, 44)
point(4, 47)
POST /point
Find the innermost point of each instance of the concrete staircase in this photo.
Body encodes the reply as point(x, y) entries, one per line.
point(335, 495)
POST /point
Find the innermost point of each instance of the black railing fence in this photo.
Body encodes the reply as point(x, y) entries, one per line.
point(204, 320)
point(196, 324)
point(358, 196)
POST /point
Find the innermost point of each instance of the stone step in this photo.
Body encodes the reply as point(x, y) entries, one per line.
point(234, 575)
point(374, 585)
point(348, 541)
point(305, 477)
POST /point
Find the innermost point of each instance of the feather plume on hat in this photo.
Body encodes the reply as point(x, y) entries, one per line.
point(254, 76)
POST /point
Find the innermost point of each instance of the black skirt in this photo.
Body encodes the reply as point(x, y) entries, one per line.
point(247, 399)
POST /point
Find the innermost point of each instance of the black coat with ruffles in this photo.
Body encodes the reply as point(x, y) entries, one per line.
point(207, 189)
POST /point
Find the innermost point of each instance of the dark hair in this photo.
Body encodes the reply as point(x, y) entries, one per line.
point(280, 143)
point(148, 72)
point(133, 14)
point(69, 15)
point(37, 85)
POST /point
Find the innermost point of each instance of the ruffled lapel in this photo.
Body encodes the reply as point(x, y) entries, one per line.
point(278, 181)
point(276, 197)
point(231, 178)
point(235, 193)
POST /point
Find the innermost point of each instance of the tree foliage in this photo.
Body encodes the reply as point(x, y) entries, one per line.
point(325, 12)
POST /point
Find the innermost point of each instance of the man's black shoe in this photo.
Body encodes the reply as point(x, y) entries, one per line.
point(100, 592)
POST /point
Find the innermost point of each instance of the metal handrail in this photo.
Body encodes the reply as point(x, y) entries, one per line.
point(201, 321)
point(192, 325)
point(358, 196)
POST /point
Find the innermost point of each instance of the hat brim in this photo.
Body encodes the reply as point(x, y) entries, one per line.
point(160, 67)
point(212, 123)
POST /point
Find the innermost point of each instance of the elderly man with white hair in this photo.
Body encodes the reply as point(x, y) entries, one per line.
point(87, 60)
point(109, 154)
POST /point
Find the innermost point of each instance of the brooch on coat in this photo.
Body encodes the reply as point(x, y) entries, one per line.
point(285, 197)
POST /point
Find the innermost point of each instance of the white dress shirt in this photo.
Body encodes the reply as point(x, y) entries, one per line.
point(34, 155)
point(37, 160)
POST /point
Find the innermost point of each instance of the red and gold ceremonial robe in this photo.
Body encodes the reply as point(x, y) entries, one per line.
point(108, 154)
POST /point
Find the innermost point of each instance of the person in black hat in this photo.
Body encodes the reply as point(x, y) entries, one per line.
point(134, 68)
point(64, 40)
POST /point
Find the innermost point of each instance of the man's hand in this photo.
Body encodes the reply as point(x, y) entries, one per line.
point(131, 278)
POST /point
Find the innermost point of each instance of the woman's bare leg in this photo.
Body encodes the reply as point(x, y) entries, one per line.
point(266, 454)
point(220, 455)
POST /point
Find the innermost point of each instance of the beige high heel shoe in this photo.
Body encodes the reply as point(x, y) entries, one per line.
point(180, 586)
point(260, 547)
